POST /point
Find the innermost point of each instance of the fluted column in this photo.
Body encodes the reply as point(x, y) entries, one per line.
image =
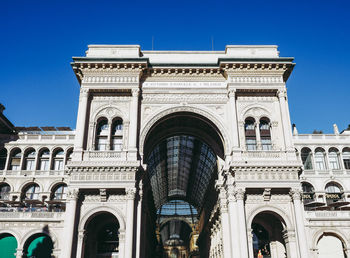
point(81, 238)
point(129, 232)
point(133, 118)
point(81, 120)
point(69, 222)
point(282, 94)
point(298, 211)
point(225, 223)
point(242, 223)
point(233, 216)
point(233, 118)
point(291, 247)
point(139, 214)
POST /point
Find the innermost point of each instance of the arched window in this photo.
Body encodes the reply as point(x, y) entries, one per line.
point(250, 137)
point(59, 192)
point(5, 192)
point(333, 157)
point(44, 159)
point(117, 135)
point(102, 135)
point(306, 157)
point(334, 192)
point(308, 192)
point(29, 159)
point(69, 155)
point(346, 158)
point(31, 192)
point(320, 159)
point(16, 159)
point(265, 133)
point(58, 158)
point(3, 156)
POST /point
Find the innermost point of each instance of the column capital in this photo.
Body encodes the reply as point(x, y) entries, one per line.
point(130, 193)
point(135, 92)
point(240, 194)
point(295, 194)
point(73, 194)
point(231, 93)
point(84, 91)
point(282, 93)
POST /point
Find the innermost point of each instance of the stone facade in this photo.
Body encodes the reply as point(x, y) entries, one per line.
point(274, 191)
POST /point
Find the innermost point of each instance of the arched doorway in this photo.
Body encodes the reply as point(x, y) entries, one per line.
point(329, 245)
point(181, 152)
point(8, 245)
point(102, 236)
point(268, 230)
point(38, 245)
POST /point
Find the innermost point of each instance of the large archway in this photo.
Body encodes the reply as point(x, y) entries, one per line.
point(8, 245)
point(102, 236)
point(268, 230)
point(38, 245)
point(330, 245)
point(181, 152)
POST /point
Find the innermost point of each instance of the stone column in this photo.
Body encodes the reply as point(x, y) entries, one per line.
point(257, 135)
point(139, 214)
point(233, 216)
point(134, 107)
point(81, 120)
point(82, 234)
point(109, 136)
point(129, 232)
point(291, 247)
point(225, 223)
point(19, 252)
point(69, 222)
point(242, 223)
point(122, 244)
point(250, 242)
point(233, 118)
point(299, 219)
point(287, 131)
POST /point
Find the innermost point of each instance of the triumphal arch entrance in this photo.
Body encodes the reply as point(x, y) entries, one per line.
point(183, 154)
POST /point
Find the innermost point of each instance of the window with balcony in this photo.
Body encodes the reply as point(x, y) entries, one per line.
point(346, 158)
point(29, 159)
point(306, 158)
point(60, 192)
point(44, 160)
point(31, 192)
point(58, 159)
point(320, 163)
point(250, 136)
point(16, 156)
point(334, 193)
point(102, 135)
point(5, 192)
point(333, 157)
point(265, 134)
point(308, 192)
point(117, 135)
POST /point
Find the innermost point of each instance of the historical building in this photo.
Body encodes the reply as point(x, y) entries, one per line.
point(176, 154)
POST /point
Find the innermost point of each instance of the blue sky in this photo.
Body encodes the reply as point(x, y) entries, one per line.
point(38, 39)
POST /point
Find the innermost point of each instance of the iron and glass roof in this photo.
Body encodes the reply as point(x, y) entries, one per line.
point(180, 168)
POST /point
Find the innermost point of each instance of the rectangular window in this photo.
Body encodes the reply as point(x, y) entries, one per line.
point(333, 163)
point(44, 165)
point(251, 144)
point(58, 164)
point(117, 143)
point(30, 164)
point(266, 143)
point(347, 163)
point(102, 143)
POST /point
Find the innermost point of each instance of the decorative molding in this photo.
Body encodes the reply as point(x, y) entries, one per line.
point(256, 79)
point(191, 98)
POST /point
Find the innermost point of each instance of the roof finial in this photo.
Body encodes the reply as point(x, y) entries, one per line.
point(336, 130)
point(295, 131)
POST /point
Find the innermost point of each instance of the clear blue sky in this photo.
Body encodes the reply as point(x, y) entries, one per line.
point(38, 39)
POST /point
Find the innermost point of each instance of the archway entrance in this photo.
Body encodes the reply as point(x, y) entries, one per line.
point(8, 245)
point(268, 230)
point(38, 245)
point(102, 237)
point(181, 153)
point(330, 245)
